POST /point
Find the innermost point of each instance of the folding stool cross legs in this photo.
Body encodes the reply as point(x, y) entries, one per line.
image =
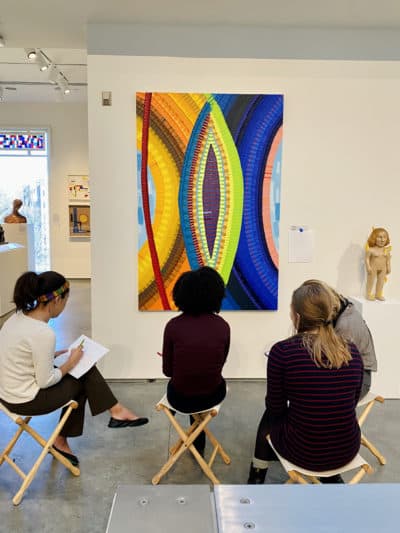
point(369, 401)
point(187, 438)
point(23, 423)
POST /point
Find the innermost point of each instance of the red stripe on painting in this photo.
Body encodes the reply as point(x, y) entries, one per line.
point(146, 204)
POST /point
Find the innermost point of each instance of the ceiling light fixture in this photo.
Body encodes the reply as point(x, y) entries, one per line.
point(54, 74)
point(31, 53)
point(63, 84)
point(42, 61)
point(2, 41)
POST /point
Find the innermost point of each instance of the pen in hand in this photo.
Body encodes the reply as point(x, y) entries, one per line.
point(81, 343)
point(160, 354)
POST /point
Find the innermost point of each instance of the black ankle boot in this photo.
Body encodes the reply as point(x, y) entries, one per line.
point(337, 478)
point(256, 475)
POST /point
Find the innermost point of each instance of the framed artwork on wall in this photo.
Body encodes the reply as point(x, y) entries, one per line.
point(79, 220)
point(78, 188)
point(209, 173)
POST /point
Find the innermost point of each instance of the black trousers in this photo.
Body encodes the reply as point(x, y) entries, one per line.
point(192, 404)
point(91, 387)
point(263, 449)
point(366, 383)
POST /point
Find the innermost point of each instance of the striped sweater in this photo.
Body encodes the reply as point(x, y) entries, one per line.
point(312, 410)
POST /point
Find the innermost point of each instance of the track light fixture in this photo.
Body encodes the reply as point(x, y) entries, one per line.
point(63, 84)
point(54, 74)
point(41, 61)
point(56, 77)
point(31, 53)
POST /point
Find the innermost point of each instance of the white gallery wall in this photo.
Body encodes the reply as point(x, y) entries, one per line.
point(340, 177)
point(67, 124)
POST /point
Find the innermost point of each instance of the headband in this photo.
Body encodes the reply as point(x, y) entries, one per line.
point(51, 295)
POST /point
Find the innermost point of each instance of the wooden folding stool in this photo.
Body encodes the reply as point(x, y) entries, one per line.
point(187, 437)
point(301, 475)
point(369, 401)
point(23, 423)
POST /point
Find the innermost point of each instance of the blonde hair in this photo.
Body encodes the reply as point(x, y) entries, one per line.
point(315, 304)
point(373, 235)
point(337, 298)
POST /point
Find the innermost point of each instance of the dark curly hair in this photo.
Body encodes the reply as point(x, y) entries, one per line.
point(199, 291)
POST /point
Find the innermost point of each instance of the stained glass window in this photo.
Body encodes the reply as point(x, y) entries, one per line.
point(22, 141)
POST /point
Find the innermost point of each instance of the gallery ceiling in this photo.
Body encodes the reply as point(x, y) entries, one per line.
point(59, 29)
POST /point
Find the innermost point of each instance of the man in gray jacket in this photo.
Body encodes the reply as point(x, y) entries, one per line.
point(350, 324)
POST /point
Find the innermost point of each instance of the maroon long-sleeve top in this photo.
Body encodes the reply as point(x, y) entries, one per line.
point(195, 349)
point(312, 409)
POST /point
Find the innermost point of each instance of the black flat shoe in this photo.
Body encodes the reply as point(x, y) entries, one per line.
point(114, 423)
point(71, 458)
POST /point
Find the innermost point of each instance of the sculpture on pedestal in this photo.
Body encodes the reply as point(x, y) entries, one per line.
point(377, 262)
point(15, 217)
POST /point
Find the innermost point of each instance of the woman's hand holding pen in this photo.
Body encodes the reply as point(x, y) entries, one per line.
point(76, 355)
point(73, 359)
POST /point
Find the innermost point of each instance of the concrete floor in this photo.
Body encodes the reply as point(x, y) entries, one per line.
point(56, 501)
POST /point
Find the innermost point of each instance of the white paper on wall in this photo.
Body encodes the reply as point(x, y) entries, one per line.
point(301, 244)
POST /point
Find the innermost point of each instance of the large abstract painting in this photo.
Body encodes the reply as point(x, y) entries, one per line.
point(209, 172)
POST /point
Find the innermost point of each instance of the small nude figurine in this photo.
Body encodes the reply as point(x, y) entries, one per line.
point(15, 217)
point(377, 262)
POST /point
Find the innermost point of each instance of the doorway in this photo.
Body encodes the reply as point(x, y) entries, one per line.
point(24, 164)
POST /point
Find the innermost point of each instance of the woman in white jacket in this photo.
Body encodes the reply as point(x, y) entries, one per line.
point(30, 384)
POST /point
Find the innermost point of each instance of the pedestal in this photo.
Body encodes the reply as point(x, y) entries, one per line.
point(383, 319)
point(22, 234)
point(13, 262)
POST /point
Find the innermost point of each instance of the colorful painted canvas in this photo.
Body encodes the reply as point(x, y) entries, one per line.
point(79, 220)
point(209, 172)
point(78, 188)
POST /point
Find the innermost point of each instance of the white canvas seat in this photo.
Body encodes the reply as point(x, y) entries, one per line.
point(23, 425)
point(187, 438)
point(298, 474)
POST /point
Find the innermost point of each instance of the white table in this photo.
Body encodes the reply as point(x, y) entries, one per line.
point(363, 508)
point(13, 262)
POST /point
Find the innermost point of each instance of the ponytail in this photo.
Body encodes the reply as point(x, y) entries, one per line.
point(314, 304)
point(326, 348)
point(26, 291)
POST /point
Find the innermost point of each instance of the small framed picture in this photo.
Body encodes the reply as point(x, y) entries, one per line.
point(78, 188)
point(79, 220)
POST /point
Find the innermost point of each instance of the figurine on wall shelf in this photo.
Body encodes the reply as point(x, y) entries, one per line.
point(377, 262)
point(15, 217)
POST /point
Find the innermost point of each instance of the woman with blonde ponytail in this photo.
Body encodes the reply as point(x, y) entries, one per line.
point(313, 385)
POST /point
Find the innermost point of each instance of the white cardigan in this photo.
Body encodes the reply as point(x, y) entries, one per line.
point(26, 358)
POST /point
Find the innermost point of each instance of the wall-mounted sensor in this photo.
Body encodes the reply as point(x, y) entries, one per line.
point(106, 98)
